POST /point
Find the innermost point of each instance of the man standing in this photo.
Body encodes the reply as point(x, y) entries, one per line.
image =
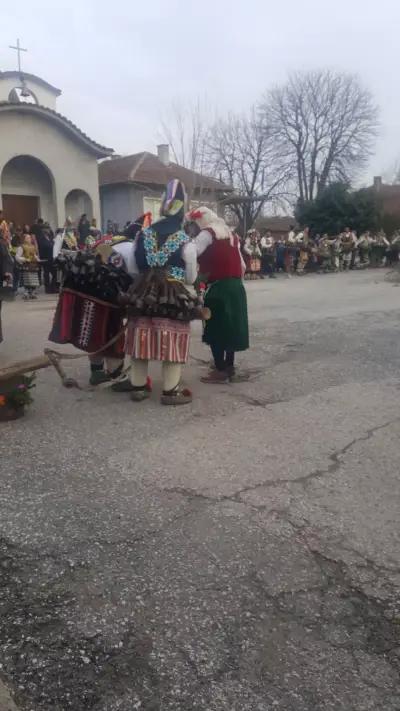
point(44, 239)
point(267, 245)
point(83, 230)
point(6, 270)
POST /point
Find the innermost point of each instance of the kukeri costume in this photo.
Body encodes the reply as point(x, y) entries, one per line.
point(160, 307)
point(88, 313)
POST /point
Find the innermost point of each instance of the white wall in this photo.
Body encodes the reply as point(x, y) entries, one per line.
point(70, 163)
point(44, 96)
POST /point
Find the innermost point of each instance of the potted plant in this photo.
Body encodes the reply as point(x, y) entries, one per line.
point(15, 395)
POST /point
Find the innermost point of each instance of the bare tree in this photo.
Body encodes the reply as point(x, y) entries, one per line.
point(324, 124)
point(392, 174)
point(240, 154)
point(185, 127)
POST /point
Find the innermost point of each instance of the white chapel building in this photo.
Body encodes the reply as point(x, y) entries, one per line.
point(48, 166)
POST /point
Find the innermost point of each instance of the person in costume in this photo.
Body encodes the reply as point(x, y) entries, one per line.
point(290, 252)
point(27, 256)
point(303, 246)
point(347, 247)
point(364, 248)
point(120, 253)
point(324, 254)
point(160, 307)
point(88, 313)
point(379, 248)
point(268, 252)
point(65, 239)
point(4, 229)
point(394, 249)
point(252, 254)
point(220, 260)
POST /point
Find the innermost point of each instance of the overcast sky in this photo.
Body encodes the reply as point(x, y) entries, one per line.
point(121, 63)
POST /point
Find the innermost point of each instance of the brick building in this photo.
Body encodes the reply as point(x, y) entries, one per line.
point(389, 197)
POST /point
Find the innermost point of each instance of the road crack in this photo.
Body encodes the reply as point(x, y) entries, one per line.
point(335, 464)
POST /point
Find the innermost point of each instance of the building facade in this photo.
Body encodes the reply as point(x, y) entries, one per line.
point(132, 185)
point(48, 166)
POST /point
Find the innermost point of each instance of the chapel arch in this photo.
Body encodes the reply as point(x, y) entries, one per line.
point(28, 191)
point(77, 202)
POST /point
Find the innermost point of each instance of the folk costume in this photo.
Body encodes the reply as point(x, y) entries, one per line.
point(252, 254)
point(220, 260)
point(27, 257)
point(290, 253)
point(364, 248)
point(347, 247)
point(324, 255)
point(160, 307)
point(89, 313)
point(268, 255)
point(379, 249)
point(302, 255)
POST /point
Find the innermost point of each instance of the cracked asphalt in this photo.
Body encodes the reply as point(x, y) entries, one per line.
point(241, 554)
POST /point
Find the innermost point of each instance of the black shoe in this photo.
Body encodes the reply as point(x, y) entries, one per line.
point(98, 377)
point(123, 386)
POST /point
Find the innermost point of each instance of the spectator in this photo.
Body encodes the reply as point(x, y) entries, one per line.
point(4, 231)
point(83, 230)
point(6, 269)
point(15, 243)
point(44, 241)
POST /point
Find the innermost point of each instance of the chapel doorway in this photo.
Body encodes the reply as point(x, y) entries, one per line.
point(77, 203)
point(21, 209)
point(27, 191)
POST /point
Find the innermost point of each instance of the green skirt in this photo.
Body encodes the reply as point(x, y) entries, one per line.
point(228, 326)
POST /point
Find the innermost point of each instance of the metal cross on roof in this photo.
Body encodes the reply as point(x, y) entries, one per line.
point(19, 49)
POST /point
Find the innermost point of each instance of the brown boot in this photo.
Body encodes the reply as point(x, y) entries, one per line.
point(215, 377)
point(177, 396)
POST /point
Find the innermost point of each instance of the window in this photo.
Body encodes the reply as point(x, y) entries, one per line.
point(22, 95)
point(152, 205)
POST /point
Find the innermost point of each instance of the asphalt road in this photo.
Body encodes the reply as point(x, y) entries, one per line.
point(241, 554)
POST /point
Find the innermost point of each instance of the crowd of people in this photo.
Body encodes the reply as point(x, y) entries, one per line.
point(300, 252)
point(126, 295)
point(34, 248)
point(131, 297)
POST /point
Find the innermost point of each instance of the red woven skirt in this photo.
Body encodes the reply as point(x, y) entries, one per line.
point(158, 339)
point(88, 323)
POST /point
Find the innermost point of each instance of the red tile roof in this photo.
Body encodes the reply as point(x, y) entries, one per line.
point(148, 169)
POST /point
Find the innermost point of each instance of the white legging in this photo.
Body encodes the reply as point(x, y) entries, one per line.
point(171, 374)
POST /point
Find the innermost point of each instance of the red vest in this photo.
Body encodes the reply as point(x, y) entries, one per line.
point(221, 259)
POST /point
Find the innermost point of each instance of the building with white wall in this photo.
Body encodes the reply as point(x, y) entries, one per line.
point(48, 166)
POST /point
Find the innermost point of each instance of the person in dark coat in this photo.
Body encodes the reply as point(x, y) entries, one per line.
point(45, 239)
point(6, 271)
point(83, 230)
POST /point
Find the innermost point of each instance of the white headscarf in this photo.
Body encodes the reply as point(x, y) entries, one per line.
point(207, 219)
